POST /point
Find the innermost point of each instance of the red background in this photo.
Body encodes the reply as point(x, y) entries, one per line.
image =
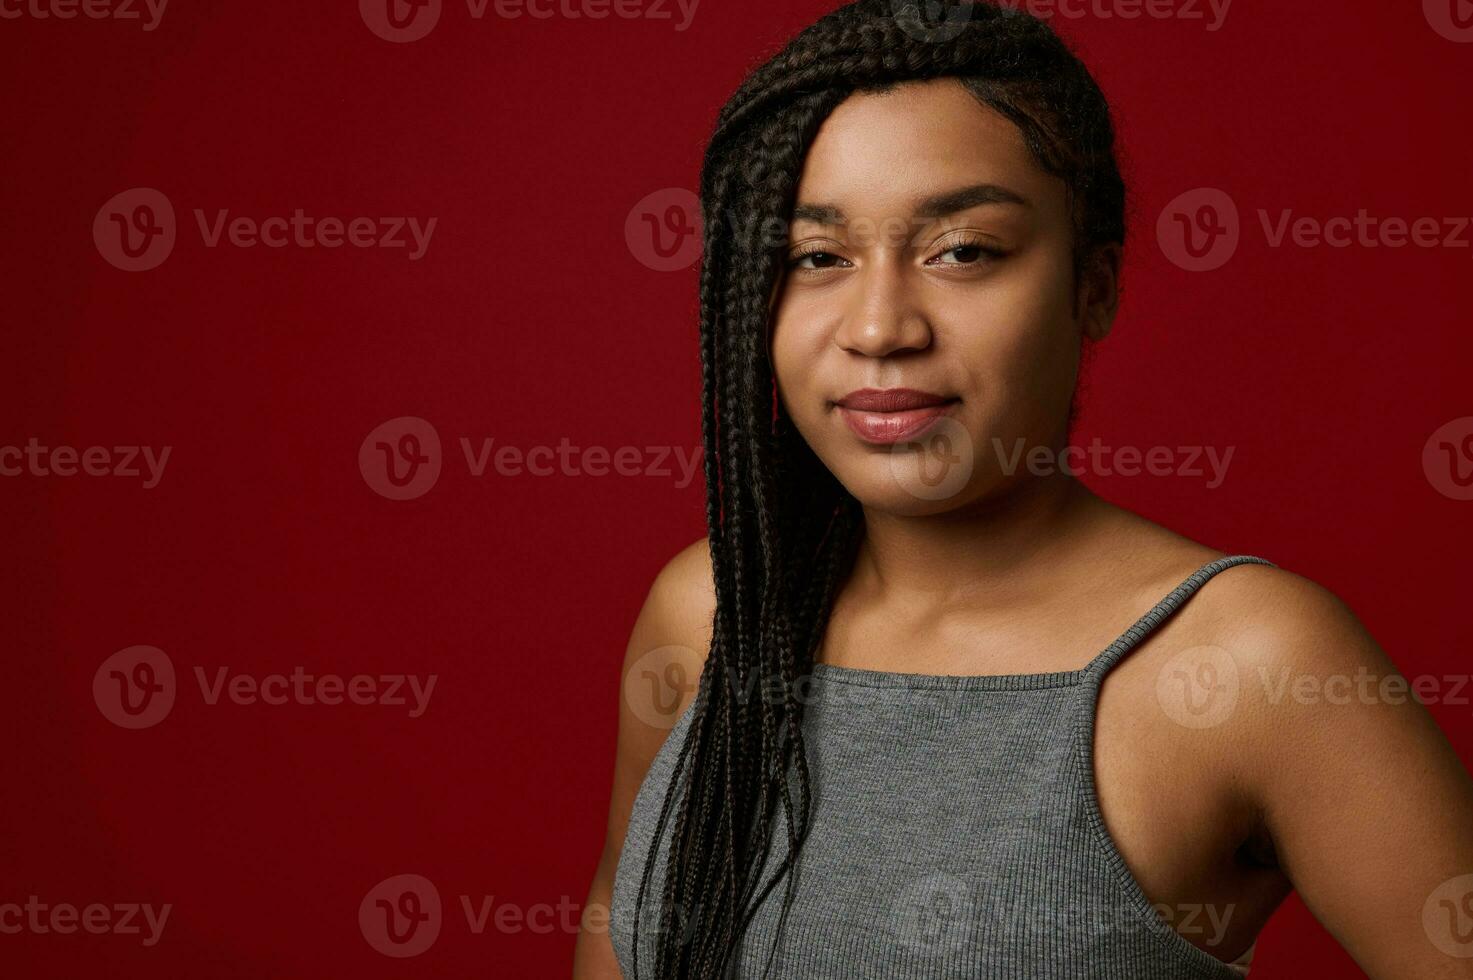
point(529, 319)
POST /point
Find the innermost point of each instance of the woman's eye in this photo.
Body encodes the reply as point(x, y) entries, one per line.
point(819, 259)
point(966, 254)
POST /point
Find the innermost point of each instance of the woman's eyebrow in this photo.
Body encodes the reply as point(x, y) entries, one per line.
point(935, 206)
point(949, 202)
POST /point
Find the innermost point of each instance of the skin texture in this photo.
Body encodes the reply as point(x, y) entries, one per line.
point(1359, 804)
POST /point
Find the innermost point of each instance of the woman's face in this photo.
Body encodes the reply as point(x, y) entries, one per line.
point(929, 251)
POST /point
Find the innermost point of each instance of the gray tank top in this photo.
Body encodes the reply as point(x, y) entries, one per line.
point(955, 834)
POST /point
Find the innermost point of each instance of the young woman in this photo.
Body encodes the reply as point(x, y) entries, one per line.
point(956, 715)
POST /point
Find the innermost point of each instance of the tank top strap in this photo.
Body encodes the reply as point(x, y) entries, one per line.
point(1173, 601)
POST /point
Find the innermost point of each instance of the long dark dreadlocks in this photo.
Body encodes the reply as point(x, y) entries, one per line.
point(782, 529)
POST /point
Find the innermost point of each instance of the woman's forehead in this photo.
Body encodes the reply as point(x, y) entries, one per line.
point(888, 154)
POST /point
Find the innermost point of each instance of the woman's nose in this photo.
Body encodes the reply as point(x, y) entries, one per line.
point(882, 315)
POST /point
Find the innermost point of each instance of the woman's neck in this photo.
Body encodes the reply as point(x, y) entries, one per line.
point(1004, 545)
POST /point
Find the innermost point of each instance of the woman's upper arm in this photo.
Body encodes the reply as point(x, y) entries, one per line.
point(1369, 807)
point(662, 663)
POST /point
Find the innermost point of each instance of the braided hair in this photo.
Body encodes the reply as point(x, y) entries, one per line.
point(782, 530)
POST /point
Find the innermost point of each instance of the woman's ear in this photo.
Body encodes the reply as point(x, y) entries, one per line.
point(1099, 290)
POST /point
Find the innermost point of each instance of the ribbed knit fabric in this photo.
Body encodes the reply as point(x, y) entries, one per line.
point(956, 833)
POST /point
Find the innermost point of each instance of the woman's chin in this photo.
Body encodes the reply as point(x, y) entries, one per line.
point(891, 485)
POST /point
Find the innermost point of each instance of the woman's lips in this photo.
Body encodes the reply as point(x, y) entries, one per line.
point(887, 428)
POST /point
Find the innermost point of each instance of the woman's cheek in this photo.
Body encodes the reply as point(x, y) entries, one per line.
point(797, 363)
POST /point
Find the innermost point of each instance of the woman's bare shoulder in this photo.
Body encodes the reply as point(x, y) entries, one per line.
point(668, 645)
point(1263, 609)
point(682, 597)
point(1270, 615)
point(1269, 618)
point(659, 678)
